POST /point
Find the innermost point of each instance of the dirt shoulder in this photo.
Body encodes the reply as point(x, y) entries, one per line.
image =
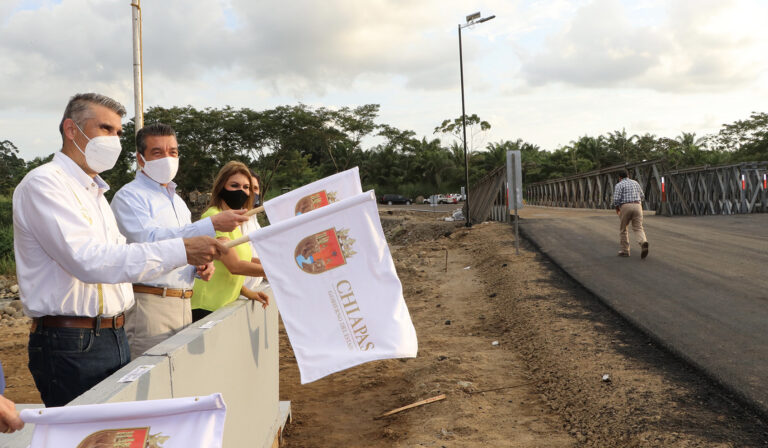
point(542, 385)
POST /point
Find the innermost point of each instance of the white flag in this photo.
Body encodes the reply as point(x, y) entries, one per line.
point(313, 196)
point(336, 287)
point(173, 423)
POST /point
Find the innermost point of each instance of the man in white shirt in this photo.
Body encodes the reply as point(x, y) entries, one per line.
point(73, 266)
point(148, 209)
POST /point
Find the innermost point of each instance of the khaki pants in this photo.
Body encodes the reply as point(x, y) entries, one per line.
point(154, 319)
point(631, 213)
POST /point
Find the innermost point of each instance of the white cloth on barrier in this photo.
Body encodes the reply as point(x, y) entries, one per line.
point(313, 196)
point(336, 287)
point(171, 423)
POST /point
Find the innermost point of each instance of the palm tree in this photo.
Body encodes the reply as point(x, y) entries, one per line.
point(619, 143)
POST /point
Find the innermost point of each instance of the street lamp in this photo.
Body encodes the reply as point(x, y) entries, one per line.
point(472, 19)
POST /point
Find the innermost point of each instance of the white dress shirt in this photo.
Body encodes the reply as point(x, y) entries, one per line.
point(146, 211)
point(248, 227)
point(71, 260)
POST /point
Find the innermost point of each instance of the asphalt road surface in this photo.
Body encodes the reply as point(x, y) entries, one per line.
point(702, 291)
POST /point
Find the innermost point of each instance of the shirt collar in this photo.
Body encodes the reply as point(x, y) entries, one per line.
point(71, 168)
point(147, 181)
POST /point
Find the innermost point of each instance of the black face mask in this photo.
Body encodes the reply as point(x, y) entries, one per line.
point(234, 199)
point(256, 200)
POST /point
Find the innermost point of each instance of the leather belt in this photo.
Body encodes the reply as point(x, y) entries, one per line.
point(78, 322)
point(633, 202)
point(163, 292)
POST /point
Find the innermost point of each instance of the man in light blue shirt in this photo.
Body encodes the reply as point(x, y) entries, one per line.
point(148, 209)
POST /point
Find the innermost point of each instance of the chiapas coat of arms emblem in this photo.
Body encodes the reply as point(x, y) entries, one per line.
point(123, 438)
point(314, 201)
point(324, 251)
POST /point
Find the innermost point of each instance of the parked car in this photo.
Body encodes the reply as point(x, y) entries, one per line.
point(453, 198)
point(390, 199)
point(456, 197)
point(441, 199)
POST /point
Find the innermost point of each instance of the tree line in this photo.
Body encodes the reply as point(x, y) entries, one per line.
point(290, 146)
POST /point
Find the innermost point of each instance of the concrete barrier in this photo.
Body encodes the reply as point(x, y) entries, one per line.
point(238, 357)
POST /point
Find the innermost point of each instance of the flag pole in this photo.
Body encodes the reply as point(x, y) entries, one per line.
point(138, 75)
point(237, 241)
point(243, 239)
point(253, 211)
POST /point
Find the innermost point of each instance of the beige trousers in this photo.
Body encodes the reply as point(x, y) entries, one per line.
point(154, 319)
point(631, 213)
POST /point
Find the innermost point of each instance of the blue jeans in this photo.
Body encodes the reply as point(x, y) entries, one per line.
point(65, 362)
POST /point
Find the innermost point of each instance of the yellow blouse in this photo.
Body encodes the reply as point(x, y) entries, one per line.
point(223, 287)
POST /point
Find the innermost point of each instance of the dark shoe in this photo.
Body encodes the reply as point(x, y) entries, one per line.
point(623, 254)
point(644, 253)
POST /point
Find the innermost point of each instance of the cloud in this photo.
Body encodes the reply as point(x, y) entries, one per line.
point(343, 39)
point(50, 53)
point(599, 47)
point(302, 48)
point(587, 65)
point(698, 46)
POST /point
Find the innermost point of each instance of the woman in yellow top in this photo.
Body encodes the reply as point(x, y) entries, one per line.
point(232, 189)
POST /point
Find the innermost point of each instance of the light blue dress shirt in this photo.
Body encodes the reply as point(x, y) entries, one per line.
point(147, 211)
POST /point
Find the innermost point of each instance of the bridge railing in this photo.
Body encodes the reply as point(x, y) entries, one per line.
point(594, 189)
point(487, 198)
point(718, 190)
point(704, 190)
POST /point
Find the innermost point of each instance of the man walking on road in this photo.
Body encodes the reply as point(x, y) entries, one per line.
point(627, 198)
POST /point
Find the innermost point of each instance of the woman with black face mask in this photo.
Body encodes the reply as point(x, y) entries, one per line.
point(232, 189)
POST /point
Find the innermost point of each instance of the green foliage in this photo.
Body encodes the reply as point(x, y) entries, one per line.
point(6, 211)
point(475, 130)
point(6, 240)
point(455, 127)
point(747, 139)
point(293, 145)
point(7, 263)
point(12, 167)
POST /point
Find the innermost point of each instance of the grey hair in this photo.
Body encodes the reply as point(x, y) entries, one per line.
point(78, 108)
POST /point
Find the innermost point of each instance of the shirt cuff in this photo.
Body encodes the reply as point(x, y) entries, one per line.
point(204, 227)
point(175, 254)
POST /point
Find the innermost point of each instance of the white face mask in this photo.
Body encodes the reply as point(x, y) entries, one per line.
point(162, 170)
point(101, 153)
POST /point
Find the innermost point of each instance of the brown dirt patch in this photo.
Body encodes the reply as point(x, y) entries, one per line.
point(19, 385)
point(543, 383)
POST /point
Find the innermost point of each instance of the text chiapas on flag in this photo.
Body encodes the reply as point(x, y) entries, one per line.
point(313, 196)
point(336, 287)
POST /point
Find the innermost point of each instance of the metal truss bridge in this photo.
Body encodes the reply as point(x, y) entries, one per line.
point(704, 190)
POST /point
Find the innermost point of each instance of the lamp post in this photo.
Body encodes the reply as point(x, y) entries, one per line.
point(472, 19)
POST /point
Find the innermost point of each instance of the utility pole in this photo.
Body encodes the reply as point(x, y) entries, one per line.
point(138, 75)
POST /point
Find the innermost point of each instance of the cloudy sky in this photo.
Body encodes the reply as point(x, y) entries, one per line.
point(544, 71)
